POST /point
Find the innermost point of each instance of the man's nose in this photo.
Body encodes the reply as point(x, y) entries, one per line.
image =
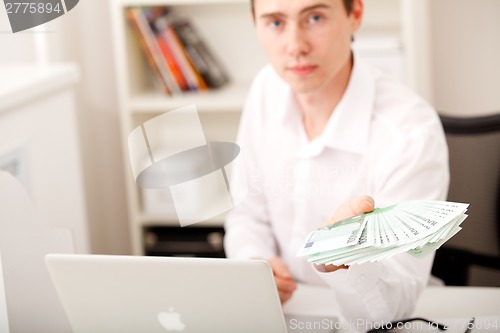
point(297, 43)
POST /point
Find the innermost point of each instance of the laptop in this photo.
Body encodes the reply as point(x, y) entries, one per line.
point(108, 293)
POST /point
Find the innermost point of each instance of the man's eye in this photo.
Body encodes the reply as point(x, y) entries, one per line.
point(315, 18)
point(275, 24)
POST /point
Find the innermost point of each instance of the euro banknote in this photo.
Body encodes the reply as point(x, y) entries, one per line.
point(418, 227)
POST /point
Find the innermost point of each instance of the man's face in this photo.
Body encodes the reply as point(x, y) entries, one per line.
point(308, 42)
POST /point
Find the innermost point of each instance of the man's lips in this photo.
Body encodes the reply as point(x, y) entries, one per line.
point(302, 70)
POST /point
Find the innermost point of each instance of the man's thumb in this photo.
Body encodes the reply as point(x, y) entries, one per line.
point(353, 207)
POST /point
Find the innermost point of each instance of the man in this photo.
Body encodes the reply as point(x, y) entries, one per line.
point(319, 127)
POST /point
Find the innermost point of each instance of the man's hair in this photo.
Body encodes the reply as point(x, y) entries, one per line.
point(347, 6)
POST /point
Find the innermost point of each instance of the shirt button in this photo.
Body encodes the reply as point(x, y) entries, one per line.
point(361, 278)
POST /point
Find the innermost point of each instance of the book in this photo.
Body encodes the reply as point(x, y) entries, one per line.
point(149, 38)
point(132, 18)
point(200, 56)
point(175, 51)
point(157, 21)
point(202, 85)
point(193, 79)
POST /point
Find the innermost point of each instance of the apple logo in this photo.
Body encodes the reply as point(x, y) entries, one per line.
point(171, 320)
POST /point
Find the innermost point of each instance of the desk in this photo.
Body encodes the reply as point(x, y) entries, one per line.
point(435, 303)
point(458, 302)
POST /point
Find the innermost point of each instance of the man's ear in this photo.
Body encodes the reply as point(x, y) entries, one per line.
point(356, 14)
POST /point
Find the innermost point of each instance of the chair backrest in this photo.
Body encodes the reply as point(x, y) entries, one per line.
point(474, 150)
point(474, 145)
point(29, 299)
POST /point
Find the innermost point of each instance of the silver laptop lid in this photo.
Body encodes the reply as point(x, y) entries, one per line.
point(103, 293)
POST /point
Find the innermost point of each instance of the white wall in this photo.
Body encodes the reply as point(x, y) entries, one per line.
point(465, 48)
point(85, 37)
point(381, 16)
point(416, 29)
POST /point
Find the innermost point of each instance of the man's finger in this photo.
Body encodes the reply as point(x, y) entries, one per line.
point(283, 279)
point(285, 284)
point(285, 288)
point(353, 207)
point(279, 268)
point(284, 296)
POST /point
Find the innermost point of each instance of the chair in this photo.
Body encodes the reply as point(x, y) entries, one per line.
point(472, 257)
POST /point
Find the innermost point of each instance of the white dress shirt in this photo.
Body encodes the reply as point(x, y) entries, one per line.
point(381, 140)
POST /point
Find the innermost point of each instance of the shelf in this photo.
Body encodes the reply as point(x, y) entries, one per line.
point(226, 29)
point(226, 99)
point(149, 220)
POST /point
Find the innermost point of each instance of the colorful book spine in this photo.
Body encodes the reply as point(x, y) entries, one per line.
point(195, 81)
point(199, 54)
point(131, 16)
point(152, 45)
point(158, 24)
point(176, 53)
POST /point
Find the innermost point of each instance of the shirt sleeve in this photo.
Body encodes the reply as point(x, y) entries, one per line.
point(414, 167)
point(248, 232)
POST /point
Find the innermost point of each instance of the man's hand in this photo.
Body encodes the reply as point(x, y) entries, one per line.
point(353, 207)
point(283, 278)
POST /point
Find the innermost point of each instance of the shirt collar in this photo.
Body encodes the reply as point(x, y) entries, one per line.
point(349, 125)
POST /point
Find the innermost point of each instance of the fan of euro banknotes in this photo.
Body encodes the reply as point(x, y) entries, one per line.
point(416, 227)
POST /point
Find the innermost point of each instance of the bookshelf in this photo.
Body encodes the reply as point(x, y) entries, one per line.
point(225, 27)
